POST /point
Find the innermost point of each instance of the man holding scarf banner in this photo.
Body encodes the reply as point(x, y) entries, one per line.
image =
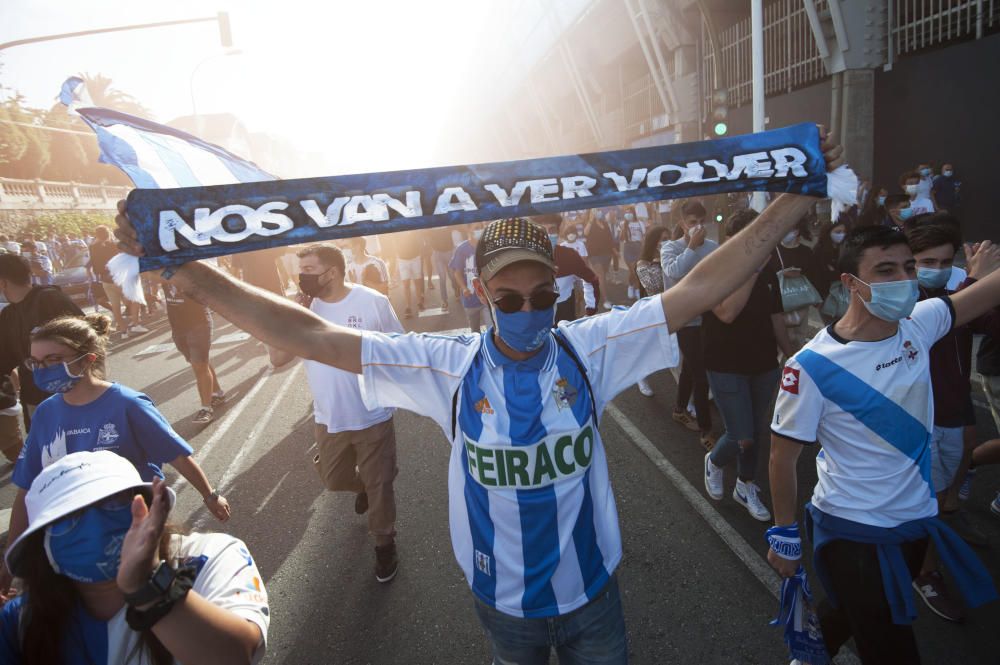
point(533, 520)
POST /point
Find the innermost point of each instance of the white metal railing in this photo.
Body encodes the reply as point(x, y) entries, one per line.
point(791, 59)
point(48, 195)
point(917, 24)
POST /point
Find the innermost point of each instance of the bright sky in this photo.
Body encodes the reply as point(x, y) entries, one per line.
point(362, 81)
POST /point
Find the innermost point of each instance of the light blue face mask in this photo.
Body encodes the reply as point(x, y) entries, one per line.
point(905, 213)
point(891, 301)
point(933, 278)
point(881, 200)
point(87, 547)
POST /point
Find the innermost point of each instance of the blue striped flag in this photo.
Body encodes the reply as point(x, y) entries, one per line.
point(155, 156)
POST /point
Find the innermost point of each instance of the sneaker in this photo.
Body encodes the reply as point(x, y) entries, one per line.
point(608, 304)
point(967, 531)
point(748, 496)
point(204, 415)
point(995, 505)
point(361, 503)
point(218, 399)
point(124, 335)
point(684, 418)
point(713, 478)
point(965, 489)
point(138, 330)
point(444, 306)
point(645, 388)
point(932, 590)
point(386, 562)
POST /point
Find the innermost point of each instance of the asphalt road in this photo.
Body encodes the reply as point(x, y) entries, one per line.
point(690, 594)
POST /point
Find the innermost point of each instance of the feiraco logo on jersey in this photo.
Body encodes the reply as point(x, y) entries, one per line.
point(541, 464)
point(790, 380)
point(483, 562)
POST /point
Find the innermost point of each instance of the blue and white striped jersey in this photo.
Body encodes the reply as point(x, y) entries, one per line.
point(533, 520)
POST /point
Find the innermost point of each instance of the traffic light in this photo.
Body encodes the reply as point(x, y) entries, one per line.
point(225, 32)
point(720, 111)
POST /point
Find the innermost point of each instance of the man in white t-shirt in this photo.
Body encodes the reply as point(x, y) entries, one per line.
point(356, 446)
point(533, 521)
point(920, 203)
point(862, 389)
point(361, 260)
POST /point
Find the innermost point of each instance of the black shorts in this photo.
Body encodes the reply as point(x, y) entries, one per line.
point(193, 343)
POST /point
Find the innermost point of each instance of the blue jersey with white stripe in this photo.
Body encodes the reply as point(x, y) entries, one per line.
point(533, 519)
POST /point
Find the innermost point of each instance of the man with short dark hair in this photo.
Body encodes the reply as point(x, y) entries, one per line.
point(920, 203)
point(946, 190)
point(30, 307)
point(860, 388)
point(533, 518)
point(356, 446)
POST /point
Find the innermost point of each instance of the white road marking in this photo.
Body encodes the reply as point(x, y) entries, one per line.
point(232, 338)
point(270, 495)
point(155, 348)
point(431, 311)
point(730, 536)
point(226, 423)
point(234, 466)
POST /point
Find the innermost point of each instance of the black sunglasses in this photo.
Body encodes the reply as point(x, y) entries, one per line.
point(514, 302)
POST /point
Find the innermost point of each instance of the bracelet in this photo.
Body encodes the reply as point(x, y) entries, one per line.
point(142, 620)
point(785, 541)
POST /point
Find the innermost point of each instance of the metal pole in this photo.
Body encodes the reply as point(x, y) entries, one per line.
point(83, 33)
point(757, 65)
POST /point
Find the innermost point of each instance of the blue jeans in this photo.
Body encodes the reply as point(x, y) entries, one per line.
point(440, 262)
point(591, 635)
point(744, 400)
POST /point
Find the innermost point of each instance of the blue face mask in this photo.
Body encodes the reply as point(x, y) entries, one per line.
point(881, 200)
point(891, 301)
point(57, 378)
point(925, 172)
point(933, 278)
point(905, 213)
point(87, 547)
point(523, 331)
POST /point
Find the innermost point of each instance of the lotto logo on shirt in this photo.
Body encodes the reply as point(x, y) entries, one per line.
point(552, 459)
point(790, 380)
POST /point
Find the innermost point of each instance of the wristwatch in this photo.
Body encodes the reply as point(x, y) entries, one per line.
point(155, 587)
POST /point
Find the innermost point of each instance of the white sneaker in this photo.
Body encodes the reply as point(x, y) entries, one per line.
point(748, 496)
point(713, 478)
point(138, 330)
point(608, 304)
point(645, 388)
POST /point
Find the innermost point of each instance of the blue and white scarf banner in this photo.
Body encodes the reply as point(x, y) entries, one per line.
point(179, 225)
point(802, 630)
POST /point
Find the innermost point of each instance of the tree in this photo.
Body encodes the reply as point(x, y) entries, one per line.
point(103, 94)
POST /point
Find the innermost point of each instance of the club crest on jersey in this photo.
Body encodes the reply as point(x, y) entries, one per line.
point(565, 394)
point(483, 562)
point(909, 353)
point(107, 435)
point(554, 458)
point(790, 380)
point(483, 407)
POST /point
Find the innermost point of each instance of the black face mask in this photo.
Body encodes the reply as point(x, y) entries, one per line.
point(309, 284)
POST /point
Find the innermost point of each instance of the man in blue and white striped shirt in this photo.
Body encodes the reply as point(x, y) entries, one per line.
point(533, 520)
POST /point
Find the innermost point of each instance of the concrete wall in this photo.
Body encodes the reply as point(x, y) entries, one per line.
point(809, 104)
point(942, 106)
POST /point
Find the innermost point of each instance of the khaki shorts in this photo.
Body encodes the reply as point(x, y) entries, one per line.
point(362, 461)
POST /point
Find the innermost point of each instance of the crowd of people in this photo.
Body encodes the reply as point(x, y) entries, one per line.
point(884, 386)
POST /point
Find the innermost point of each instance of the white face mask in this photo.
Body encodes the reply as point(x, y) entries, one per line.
point(947, 173)
point(911, 189)
point(570, 237)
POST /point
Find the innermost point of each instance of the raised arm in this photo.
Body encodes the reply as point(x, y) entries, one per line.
point(977, 299)
point(271, 319)
point(732, 264)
